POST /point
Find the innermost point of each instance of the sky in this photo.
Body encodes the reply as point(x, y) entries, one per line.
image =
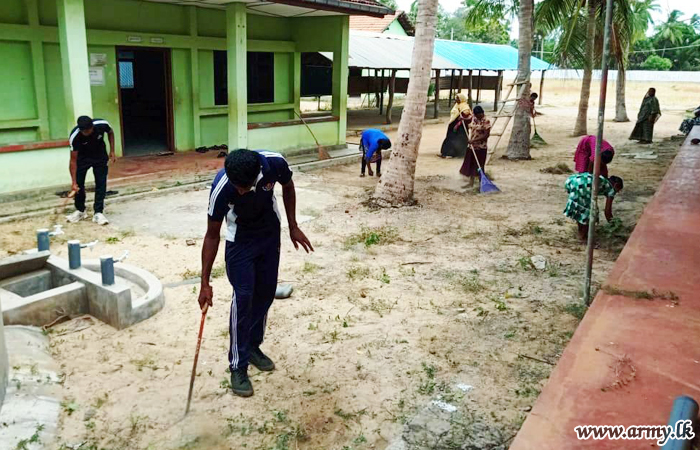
point(689, 7)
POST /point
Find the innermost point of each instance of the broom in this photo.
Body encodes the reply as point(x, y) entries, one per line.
point(536, 138)
point(485, 185)
point(322, 153)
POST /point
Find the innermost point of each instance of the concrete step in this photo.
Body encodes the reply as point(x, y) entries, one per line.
point(130, 188)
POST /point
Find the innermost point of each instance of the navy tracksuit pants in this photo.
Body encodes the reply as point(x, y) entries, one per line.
point(252, 264)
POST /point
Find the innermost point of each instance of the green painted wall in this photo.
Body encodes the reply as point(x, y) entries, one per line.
point(24, 30)
point(13, 11)
point(16, 97)
point(48, 168)
point(395, 28)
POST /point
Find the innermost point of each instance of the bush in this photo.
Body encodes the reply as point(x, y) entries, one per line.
point(655, 62)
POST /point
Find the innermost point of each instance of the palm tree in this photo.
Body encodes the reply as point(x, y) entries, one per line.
point(395, 188)
point(640, 20)
point(519, 145)
point(671, 31)
point(576, 46)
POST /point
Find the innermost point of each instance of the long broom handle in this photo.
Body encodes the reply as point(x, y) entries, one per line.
point(196, 357)
point(307, 127)
point(472, 148)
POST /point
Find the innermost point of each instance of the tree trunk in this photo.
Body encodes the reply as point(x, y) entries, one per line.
point(519, 145)
point(581, 127)
point(620, 107)
point(395, 187)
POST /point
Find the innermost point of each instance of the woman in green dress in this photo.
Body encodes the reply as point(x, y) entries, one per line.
point(649, 113)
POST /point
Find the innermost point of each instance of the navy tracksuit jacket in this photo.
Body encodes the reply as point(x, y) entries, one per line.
point(252, 251)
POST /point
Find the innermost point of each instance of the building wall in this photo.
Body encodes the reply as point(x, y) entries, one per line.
point(395, 28)
point(32, 103)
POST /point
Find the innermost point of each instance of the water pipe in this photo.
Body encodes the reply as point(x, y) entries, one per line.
point(684, 408)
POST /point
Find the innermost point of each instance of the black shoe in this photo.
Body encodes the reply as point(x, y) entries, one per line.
point(240, 383)
point(260, 360)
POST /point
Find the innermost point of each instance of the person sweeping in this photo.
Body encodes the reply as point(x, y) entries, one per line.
point(243, 194)
point(578, 206)
point(480, 130)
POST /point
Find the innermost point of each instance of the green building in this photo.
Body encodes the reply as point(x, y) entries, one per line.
point(169, 75)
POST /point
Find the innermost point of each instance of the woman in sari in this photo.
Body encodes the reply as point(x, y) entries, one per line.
point(456, 141)
point(649, 113)
point(688, 124)
point(480, 130)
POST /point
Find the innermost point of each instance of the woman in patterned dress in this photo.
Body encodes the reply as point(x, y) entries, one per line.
point(578, 206)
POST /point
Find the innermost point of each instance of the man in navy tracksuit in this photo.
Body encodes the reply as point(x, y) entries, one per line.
point(243, 194)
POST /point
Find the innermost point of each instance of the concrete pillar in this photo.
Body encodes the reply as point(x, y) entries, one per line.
point(237, 47)
point(74, 60)
point(4, 362)
point(296, 87)
point(340, 77)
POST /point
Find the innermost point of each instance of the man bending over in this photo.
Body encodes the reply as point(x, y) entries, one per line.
point(243, 194)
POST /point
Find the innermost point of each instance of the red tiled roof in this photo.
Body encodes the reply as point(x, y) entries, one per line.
point(378, 25)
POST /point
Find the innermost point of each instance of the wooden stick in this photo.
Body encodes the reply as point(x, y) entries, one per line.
point(196, 357)
point(322, 153)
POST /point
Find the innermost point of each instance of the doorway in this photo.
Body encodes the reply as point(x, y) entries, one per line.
point(145, 100)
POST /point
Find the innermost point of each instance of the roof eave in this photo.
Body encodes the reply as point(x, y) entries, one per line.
point(339, 6)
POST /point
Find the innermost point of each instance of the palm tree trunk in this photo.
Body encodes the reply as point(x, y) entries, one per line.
point(395, 187)
point(581, 127)
point(620, 107)
point(519, 145)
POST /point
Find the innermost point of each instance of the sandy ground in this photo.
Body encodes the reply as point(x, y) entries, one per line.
point(372, 332)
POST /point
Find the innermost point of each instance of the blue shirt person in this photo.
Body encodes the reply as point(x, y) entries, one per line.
point(372, 143)
point(243, 194)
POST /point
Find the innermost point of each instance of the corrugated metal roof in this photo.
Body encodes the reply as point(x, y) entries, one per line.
point(469, 55)
point(384, 51)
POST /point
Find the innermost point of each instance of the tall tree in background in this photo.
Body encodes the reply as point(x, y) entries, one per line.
point(396, 185)
point(519, 145)
point(640, 20)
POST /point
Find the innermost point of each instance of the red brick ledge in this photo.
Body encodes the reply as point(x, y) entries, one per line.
point(27, 146)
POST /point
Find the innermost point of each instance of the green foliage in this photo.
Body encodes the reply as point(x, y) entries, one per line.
point(654, 62)
point(373, 236)
point(577, 310)
point(34, 439)
point(389, 3)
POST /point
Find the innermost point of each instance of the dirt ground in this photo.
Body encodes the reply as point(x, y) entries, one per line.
point(393, 309)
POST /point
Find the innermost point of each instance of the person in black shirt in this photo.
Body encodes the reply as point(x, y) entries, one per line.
point(88, 150)
point(243, 194)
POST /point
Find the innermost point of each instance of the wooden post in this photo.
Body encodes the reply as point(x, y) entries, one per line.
point(436, 109)
point(381, 94)
point(392, 88)
point(376, 88)
point(471, 85)
point(539, 100)
point(452, 83)
point(459, 83)
point(478, 90)
point(499, 83)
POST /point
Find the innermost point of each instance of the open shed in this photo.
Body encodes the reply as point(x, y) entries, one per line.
point(381, 62)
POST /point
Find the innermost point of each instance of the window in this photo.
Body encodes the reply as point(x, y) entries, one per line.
point(126, 74)
point(261, 77)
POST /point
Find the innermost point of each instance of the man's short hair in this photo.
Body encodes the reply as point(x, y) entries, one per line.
point(84, 123)
point(242, 167)
point(607, 156)
point(478, 110)
point(534, 95)
point(384, 144)
point(617, 180)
